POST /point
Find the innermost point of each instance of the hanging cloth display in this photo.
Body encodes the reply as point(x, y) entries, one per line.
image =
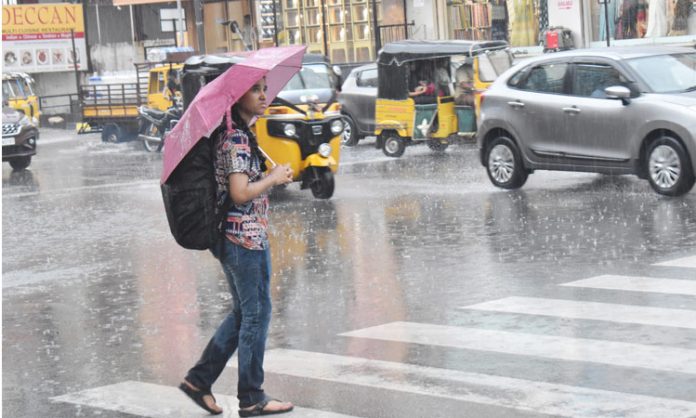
point(612, 11)
point(681, 15)
point(523, 26)
point(657, 19)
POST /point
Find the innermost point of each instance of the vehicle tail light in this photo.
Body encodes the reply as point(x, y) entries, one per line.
point(483, 96)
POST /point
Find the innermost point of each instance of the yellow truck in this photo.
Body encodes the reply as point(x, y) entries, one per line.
point(113, 107)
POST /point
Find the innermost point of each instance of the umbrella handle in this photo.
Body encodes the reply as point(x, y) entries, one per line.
point(273, 163)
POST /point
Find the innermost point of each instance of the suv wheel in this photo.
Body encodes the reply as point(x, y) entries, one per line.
point(20, 163)
point(504, 166)
point(350, 132)
point(668, 167)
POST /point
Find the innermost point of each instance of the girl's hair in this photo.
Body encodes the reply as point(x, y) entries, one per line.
point(242, 125)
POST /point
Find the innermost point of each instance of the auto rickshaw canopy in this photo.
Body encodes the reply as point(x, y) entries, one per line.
point(17, 85)
point(399, 52)
point(202, 69)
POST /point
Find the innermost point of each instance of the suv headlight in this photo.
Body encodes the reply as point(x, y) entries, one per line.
point(25, 121)
point(325, 150)
point(337, 126)
point(289, 130)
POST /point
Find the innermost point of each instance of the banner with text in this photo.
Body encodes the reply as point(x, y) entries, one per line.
point(36, 38)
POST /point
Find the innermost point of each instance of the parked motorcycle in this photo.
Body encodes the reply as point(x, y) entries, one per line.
point(153, 125)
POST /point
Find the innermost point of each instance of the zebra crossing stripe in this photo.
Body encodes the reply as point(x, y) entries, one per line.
point(629, 314)
point(672, 359)
point(158, 401)
point(638, 284)
point(688, 262)
point(505, 392)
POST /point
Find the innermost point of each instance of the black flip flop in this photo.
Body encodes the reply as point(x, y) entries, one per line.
point(197, 397)
point(257, 410)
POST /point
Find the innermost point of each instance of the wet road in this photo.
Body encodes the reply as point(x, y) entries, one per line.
point(418, 290)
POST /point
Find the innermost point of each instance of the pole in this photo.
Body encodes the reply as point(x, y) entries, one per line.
point(606, 20)
point(198, 20)
point(75, 63)
point(375, 28)
point(275, 24)
point(98, 25)
point(130, 7)
point(180, 13)
point(405, 22)
point(323, 28)
point(176, 38)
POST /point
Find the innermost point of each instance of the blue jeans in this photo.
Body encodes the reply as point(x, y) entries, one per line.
point(248, 273)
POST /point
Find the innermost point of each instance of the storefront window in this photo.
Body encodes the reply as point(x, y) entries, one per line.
point(340, 29)
point(516, 21)
point(635, 19)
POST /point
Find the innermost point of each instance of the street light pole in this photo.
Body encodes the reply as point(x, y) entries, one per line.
point(606, 20)
point(180, 12)
point(378, 35)
point(323, 27)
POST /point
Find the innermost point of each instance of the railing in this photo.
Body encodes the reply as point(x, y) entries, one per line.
point(123, 94)
point(65, 105)
point(112, 100)
point(391, 33)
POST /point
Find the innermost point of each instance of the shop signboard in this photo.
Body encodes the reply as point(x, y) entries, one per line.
point(36, 38)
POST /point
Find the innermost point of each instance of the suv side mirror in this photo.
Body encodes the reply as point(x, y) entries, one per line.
point(618, 92)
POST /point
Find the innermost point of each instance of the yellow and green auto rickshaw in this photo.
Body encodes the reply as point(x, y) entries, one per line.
point(301, 127)
point(18, 91)
point(159, 79)
point(417, 94)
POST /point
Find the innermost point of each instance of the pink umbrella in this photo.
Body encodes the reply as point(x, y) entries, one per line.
point(207, 109)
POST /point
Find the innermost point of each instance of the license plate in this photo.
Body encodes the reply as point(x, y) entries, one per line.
point(10, 140)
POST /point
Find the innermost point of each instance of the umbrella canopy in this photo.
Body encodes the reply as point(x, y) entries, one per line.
point(207, 109)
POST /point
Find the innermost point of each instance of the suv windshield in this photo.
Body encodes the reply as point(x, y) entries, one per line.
point(311, 76)
point(667, 73)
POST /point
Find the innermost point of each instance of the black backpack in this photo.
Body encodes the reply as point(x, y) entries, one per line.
point(190, 198)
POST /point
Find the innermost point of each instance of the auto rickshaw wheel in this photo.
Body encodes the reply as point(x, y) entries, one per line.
point(437, 146)
point(393, 145)
point(111, 133)
point(321, 182)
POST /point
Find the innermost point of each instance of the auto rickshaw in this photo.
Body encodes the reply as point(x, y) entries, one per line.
point(301, 127)
point(406, 114)
point(18, 91)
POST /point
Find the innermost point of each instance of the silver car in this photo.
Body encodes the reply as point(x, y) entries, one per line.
point(612, 111)
point(357, 97)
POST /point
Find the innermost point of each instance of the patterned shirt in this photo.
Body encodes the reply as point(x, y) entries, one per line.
point(246, 224)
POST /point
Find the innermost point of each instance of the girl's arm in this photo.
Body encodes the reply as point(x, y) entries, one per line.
point(242, 191)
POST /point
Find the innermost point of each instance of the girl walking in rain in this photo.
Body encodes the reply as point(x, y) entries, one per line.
point(245, 259)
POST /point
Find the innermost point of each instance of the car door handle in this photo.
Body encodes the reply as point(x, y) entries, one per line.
point(572, 110)
point(516, 105)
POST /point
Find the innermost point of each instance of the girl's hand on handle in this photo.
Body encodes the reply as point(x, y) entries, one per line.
point(281, 174)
